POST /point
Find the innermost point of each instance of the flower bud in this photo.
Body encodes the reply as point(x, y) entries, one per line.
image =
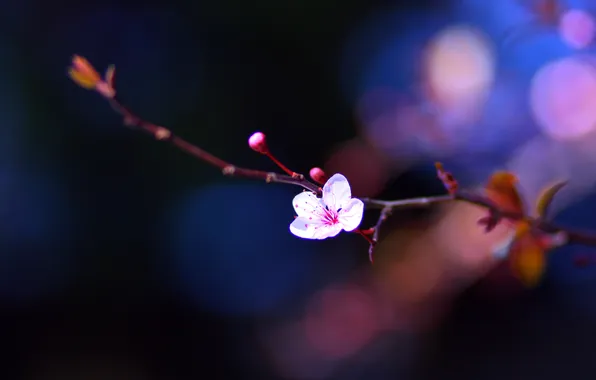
point(83, 73)
point(109, 75)
point(318, 175)
point(258, 143)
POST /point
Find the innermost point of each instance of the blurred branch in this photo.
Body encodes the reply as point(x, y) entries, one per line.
point(495, 213)
point(405, 203)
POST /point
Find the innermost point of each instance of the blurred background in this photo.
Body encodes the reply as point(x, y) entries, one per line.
point(123, 258)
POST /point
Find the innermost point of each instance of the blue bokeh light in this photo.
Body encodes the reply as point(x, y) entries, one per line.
point(233, 252)
point(576, 285)
point(523, 45)
point(153, 54)
point(505, 122)
point(386, 52)
point(579, 216)
point(494, 17)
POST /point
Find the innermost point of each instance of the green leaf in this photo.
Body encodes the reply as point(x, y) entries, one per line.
point(546, 198)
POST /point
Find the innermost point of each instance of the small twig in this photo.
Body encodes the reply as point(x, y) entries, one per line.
point(387, 207)
point(83, 73)
point(365, 235)
point(406, 203)
point(385, 213)
point(164, 134)
point(573, 237)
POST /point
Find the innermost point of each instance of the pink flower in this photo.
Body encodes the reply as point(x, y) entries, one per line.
point(321, 218)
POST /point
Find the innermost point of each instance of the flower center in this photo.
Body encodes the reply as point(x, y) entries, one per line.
point(330, 217)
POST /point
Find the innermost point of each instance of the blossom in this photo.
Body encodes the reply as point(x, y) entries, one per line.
point(336, 210)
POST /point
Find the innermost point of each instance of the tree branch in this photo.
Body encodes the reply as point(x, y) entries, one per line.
point(496, 214)
point(85, 75)
point(160, 133)
point(385, 213)
point(386, 206)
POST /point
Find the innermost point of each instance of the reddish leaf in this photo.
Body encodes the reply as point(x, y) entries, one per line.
point(447, 178)
point(502, 191)
point(527, 257)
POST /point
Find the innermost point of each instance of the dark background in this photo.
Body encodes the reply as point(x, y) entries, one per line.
point(123, 258)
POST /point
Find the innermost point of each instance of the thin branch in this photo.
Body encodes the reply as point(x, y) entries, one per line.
point(83, 73)
point(383, 216)
point(573, 237)
point(163, 134)
point(406, 203)
point(387, 207)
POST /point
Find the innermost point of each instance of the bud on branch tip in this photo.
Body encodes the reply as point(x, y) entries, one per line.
point(318, 175)
point(447, 178)
point(85, 75)
point(258, 143)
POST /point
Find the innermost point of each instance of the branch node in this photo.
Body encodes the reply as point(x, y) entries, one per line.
point(162, 133)
point(130, 121)
point(85, 75)
point(229, 170)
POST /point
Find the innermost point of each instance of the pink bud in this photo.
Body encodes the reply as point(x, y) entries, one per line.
point(318, 175)
point(258, 143)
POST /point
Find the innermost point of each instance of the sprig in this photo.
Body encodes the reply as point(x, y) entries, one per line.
point(532, 237)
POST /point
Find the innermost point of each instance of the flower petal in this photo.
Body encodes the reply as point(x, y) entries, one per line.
point(501, 250)
point(501, 189)
point(81, 79)
point(528, 261)
point(306, 229)
point(306, 204)
point(337, 192)
point(82, 65)
point(527, 257)
point(350, 215)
